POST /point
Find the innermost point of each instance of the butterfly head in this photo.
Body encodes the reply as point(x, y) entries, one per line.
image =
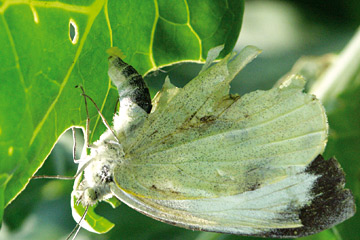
point(98, 173)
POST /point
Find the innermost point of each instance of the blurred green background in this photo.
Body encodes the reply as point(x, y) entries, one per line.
point(285, 30)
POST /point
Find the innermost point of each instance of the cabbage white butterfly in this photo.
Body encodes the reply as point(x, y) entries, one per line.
point(199, 158)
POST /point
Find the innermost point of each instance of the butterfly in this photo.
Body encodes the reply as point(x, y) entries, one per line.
point(200, 158)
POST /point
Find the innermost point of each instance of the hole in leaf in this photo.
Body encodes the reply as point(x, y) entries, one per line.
point(73, 31)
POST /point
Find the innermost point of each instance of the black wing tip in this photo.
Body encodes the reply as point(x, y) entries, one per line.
point(332, 203)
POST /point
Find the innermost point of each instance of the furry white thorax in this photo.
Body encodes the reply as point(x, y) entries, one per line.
point(106, 154)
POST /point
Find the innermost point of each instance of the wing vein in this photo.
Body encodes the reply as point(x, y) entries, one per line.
point(228, 162)
point(229, 131)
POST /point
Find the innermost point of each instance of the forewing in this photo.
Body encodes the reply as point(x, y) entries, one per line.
point(258, 139)
point(174, 107)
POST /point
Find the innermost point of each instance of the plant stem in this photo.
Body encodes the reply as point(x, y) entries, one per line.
point(338, 76)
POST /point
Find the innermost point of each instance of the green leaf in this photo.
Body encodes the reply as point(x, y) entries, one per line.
point(4, 179)
point(48, 47)
point(114, 202)
point(92, 222)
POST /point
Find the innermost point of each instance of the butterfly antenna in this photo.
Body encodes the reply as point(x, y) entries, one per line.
point(98, 110)
point(87, 117)
point(78, 227)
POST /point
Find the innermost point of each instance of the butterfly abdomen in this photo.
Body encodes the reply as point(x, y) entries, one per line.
point(129, 83)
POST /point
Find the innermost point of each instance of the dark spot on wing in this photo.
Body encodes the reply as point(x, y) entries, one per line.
point(254, 187)
point(209, 118)
point(174, 192)
point(251, 170)
point(332, 204)
point(191, 117)
point(153, 133)
point(234, 97)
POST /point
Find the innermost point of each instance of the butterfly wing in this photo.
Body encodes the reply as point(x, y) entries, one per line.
point(209, 161)
point(298, 205)
point(260, 138)
point(174, 107)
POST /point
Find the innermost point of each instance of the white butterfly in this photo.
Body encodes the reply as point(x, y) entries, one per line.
point(206, 160)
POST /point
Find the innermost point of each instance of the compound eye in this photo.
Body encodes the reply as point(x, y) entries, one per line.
point(90, 194)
